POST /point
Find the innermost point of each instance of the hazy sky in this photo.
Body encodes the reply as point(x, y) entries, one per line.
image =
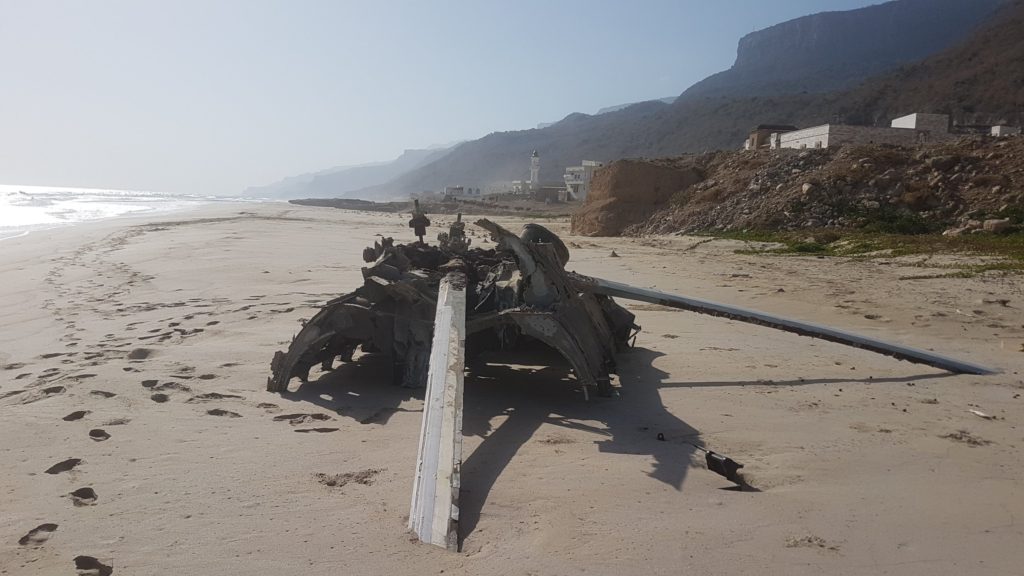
point(212, 96)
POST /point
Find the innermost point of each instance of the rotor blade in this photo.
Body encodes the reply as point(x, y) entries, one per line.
point(434, 514)
point(619, 290)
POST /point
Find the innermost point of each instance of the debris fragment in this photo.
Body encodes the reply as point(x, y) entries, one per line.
point(967, 438)
point(981, 414)
point(810, 541)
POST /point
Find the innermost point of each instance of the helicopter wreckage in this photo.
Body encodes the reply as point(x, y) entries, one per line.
point(419, 303)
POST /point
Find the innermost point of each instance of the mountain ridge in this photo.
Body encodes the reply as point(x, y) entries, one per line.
point(694, 122)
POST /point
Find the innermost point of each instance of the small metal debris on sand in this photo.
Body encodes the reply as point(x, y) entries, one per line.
point(810, 541)
point(981, 414)
point(967, 438)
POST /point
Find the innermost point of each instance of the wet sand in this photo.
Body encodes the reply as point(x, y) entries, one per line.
point(137, 432)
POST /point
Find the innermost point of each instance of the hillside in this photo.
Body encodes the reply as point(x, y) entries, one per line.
point(980, 81)
point(698, 121)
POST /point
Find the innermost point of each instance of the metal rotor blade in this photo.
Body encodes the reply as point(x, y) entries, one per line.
point(620, 290)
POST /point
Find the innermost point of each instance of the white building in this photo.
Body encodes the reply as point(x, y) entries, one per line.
point(577, 179)
point(1006, 130)
point(930, 123)
point(903, 131)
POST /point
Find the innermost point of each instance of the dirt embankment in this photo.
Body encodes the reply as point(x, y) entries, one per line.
point(627, 192)
point(954, 186)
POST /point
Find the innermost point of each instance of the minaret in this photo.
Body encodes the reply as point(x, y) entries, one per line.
point(534, 170)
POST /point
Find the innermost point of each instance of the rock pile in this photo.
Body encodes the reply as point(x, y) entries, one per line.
point(974, 184)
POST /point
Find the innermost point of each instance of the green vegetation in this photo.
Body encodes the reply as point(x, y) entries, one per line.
point(1009, 248)
point(889, 220)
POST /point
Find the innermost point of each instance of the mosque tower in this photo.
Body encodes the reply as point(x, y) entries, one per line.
point(534, 170)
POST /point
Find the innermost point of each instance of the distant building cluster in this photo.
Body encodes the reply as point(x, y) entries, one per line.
point(906, 130)
point(575, 183)
point(460, 191)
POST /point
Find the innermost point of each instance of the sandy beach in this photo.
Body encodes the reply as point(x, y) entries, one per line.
point(135, 354)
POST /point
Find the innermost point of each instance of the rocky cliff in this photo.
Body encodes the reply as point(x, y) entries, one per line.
point(979, 81)
point(836, 50)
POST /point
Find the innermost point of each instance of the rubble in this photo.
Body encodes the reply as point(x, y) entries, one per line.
point(881, 188)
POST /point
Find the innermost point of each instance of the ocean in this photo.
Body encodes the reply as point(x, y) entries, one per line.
point(24, 209)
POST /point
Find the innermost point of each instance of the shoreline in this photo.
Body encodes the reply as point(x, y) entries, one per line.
point(22, 231)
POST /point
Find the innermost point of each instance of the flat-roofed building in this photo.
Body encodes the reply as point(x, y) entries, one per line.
point(577, 179)
point(763, 134)
point(903, 131)
point(1001, 130)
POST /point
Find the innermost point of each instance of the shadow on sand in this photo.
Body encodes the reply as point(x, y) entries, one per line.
point(360, 390)
point(528, 397)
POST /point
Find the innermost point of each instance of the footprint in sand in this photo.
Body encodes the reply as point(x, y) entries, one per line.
point(76, 415)
point(159, 398)
point(296, 419)
point(220, 412)
point(103, 393)
point(36, 395)
point(207, 376)
point(139, 354)
point(213, 396)
point(149, 383)
point(322, 430)
point(365, 477)
point(83, 497)
point(63, 466)
point(117, 422)
point(172, 386)
point(37, 535)
point(98, 434)
point(271, 408)
point(89, 566)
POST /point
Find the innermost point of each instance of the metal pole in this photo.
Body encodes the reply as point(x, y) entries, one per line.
point(619, 290)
